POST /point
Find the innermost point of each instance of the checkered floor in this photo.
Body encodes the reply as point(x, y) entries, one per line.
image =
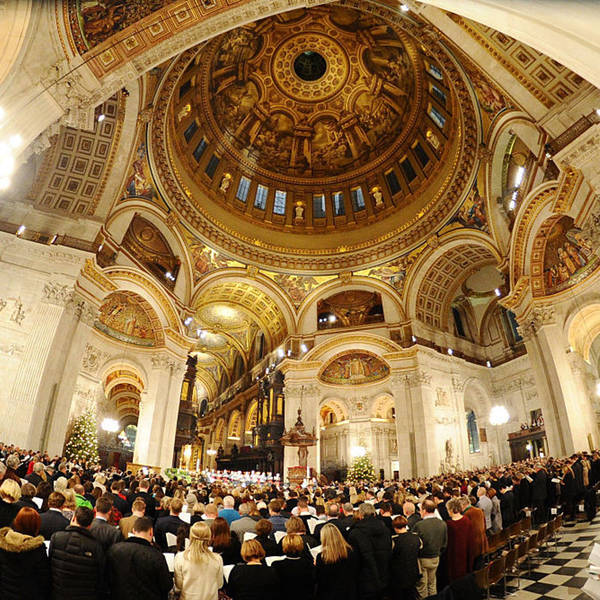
point(563, 573)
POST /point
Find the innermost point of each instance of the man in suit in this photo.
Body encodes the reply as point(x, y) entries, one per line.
point(412, 517)
point(105, 533)
point(53, 519)
point(144, 494)
point(539, 494)
point(333, 517)
point(38, 475)
point(169, 524)
point(485, 504)
point(434, 537)
point(137, 511)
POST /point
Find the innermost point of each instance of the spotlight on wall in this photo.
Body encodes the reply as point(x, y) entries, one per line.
point(211, 452)
point(187, 321)
point(498, 292)
point(404, 8)
point(499, 415)
point(488, 364)
point(332, 318)
point(303, 348)
point(280, 352)
point(512, 205)
point(548, 155)
point(169, 276)
point(598, 388)
point(450, 351)
point(597, 112)
point(289, 352)
point(101, 117)
point(110, 425)
point(413, 338)
point(21, 230)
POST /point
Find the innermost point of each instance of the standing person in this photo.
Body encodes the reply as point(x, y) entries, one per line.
point(479, 541)
point(372, 542)
point(143, 492)
point(539, 494)
point(77, 561)
point(336, 566)
point(264, 537)
point(228, 511)
point(105, 533)
point(459, 552)
point(296, 572)
point(404, 567)
point(434, 536)
point(496, 511)
point(136, 569)
point(138, 510)
point(53, 519)
point(412, 517)
point(485, 504)
point(198, 570)
point(253, 580)
point(244, 524)
point(507, 505)
point(10, 494)
point(169, 524)
point(24, 565)
point(275, 516)
point(223, 542)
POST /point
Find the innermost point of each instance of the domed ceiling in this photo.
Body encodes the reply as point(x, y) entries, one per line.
point(317, 139)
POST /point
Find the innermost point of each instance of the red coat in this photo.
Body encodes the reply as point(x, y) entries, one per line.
point(479, 539)
point(460, 548)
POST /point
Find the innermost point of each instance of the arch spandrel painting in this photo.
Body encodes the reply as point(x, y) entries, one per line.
point(124, 318)
point(355, 368)
point(568, 256)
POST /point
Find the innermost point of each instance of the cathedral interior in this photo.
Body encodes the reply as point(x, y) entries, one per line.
point(217, 213)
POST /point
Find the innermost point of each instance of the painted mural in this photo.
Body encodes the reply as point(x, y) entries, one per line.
point(205, 259)
point(139, 180)
point(568, 256)
point(298, 286)
point(472, 213)
point(355, 368)
point(124, 318)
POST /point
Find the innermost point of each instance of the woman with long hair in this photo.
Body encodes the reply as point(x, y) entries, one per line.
point(223, 542)
point(336, 566)
point(24, 565)
point(198, 571)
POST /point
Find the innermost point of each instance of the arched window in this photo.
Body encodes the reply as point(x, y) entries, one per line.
point(472, 432)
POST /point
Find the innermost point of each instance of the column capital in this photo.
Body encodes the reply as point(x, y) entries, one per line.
point(83, 310)
point(59, 294)
point(164, 362)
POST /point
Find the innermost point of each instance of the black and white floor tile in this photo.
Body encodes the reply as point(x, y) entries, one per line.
point(562, 572)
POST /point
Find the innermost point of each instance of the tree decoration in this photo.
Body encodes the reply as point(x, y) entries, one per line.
point(362, 470)
point(83, 441)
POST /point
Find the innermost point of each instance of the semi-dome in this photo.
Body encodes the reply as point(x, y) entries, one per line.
point(315, 134)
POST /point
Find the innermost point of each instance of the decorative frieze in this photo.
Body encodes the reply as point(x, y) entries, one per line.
point(92, 359)
point(57, 293)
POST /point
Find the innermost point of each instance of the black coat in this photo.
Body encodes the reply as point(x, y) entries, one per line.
point(34, 478)
point(270, 546)
point(404, 566)
point(337, 522)
point(297, 577)
point(137, 570)
point(148, 499)
point(337, 581)
point(372, 543)
point(164, 525)
point(539, 487)
point(8, 512)
point(105, 533)
point(24, 567)
point(77, 564)
point(253, 582)
point(507, 508)
point(52, 521)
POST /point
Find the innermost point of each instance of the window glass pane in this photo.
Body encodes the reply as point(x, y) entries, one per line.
point(358, 200)
point(437, 116)
point(212, 165)
point(409, 172)
point(243, 187)
point(260, 200)
point(338, 204)
point(279, 204)
point(421, 154)
point(439, 94)
point(319, 206)
point(199, 150)
point(392, 182)
point(435, 71)
point(188, 134)
point(185, 88)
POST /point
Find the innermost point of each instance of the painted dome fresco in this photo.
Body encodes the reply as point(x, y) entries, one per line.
point(322, 132)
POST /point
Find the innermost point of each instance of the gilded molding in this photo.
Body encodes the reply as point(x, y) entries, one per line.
point(92, 273)
point(569, 183)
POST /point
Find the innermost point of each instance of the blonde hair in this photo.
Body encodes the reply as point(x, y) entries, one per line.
point(198, 551)
point(334, 546)
point(295, 525)
point(252, 550)
point(292, 544)
point(10, 491)
point(70, 499)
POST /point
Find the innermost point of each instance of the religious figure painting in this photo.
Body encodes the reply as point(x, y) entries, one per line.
point(206, 259)
point(568, 256)
point(123, 317)
point(472, 213)
point(139, 181)
point(355, 368)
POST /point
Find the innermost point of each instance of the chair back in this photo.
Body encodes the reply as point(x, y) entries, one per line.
point(510, 559)
point(533, 541)
point(503, 537)
point(522, 549)
point(496, 570)
point(481, 578)
point(525, 525)
point(542, 533)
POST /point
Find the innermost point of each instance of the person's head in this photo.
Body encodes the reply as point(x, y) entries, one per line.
point(243, 509)
point(454, 506)
point(138, 508)
point(211, 511)
point(333, 510)
point(56, 500)
point(334, 547)
point(60, 485)
point(264, 527)
point(386, 508)
point(252, 551)
point(38, 467)
point(408, 508)
point(274, 507)
point(79, 489)
point(176, 506)
point(142, 528)
point(221, 535)
point(83, 517)
point(228, 502)
point(348, 509)
point(13, 462)
point(491, 493)
point(427, 507)
point(2, 470)
point(104, 506)
point(481, 492)
point(292, 545)
point(365, 511)
point(200, 537)
point(465, 502)
point(302, 503)
point(27, 490)
point(10, 491)
point(295, 525)
point(144, 485)
point(399, 524)
point(27, 522)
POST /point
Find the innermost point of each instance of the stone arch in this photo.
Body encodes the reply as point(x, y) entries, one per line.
point(348, 342)
point(332, 410)
point(220, 432)
point(582, 322)
point(251, 416)
point(235, 425)
point(383, 407)
point(392, 305)
point(433, 280)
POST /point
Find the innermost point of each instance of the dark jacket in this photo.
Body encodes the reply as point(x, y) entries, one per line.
point(52, 521)
point(34, 478)
point(77, 564)
point(137, 570)
point(297, 577)
point(24, 567)
point(148, 499)
point(337, 581)
point(253, 582)
point(413, 520)
point(337, 522)
point(539, 491)
point(105, 533)
point(372, 543)
point(164, 525)
point(404, 567)
point(270, 546)
point(8, 512)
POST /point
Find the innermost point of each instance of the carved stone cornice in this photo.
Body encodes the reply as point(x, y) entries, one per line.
point(92, 358)
point(166, 362)
point(535, 319)
point(58, 294)
point(83, 310)
point(415, 378)
point(458, 384)
point(569, 182)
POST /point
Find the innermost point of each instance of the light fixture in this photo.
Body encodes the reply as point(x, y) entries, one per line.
point(358, 451)
point(332, 318)
point(100, 247)
point(519, 176)
point(101, 117)
point(548, 155)
point(280, 352)
point(450, 351)
point(169, 276)
point(198, 332)
point(211, 452)
point(404, 8)
point(499, 415)
point(597, 112)
point(53, 239)
point(187, 452)
point(597, 388)
point(512, 204)
point(15, 141)
point(187, 321)
point(289, 352)
point(303, 348)
point(21, 230)
point(488, 364)
point(498, 292)
point(529, 447)
point(413, 338)
point(110, 425)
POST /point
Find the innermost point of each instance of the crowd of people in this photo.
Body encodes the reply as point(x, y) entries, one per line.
point(78, 532)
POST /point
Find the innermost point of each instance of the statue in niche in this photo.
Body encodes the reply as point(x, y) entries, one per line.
point(449, 452)
point(433, 139)
point(377, 197)
point(299, 212)
point(225, 183)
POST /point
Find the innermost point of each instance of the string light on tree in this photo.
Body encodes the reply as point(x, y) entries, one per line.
point(83, 441)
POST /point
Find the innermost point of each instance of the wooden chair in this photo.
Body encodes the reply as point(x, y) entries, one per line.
point(497, 573)
point(510, 569)
point(522, 549)
point(481, 580)
point(503, 538)
point(492, 544)
point(514, 531)
point(534, 550)
point(543, 538)
point(525, 525)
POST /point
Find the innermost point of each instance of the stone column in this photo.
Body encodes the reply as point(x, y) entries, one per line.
point(568, 412)
point(159, 408)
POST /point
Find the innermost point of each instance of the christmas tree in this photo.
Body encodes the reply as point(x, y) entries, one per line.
point(362, 470)
point(83, 441)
